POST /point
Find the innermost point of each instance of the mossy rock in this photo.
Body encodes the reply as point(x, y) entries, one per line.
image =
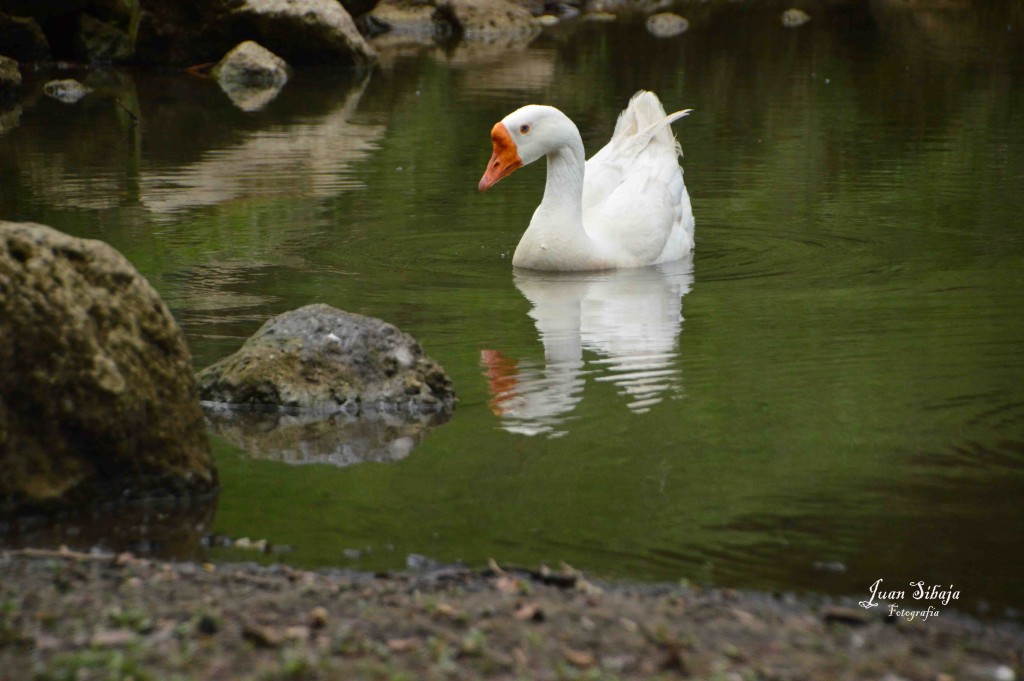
point(323, 359)
point(97, 395)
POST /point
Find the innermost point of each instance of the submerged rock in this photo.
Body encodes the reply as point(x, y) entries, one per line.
point(67, 91)
point(322, 359)
point(97, 397)
point(251, 75)
point(666, 25)
point(793, 17)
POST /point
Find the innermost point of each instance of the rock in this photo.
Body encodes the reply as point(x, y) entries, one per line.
point(607, 6)
point(251, 75)
point(97, 397)
point(323, 359)
point(793, 17)
point(357, 8)
point(487, 20)
point(10, 118)
point(68, 91)
point(22, 38)
point(173, 32)
point(548, 20)
point(300, 31)
point(251, 65)
point(304, 31)
point(319, 617)
point(120, 13)
point(836, 614)
point(10, 75)
point(666, 25)
point(98, 41)
point(95, 30)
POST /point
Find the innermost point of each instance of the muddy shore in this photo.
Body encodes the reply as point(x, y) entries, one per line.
point(66, 615)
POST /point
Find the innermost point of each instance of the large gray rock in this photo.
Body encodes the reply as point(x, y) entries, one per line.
point(302, 31)
point(322, 359)
point(97, 397)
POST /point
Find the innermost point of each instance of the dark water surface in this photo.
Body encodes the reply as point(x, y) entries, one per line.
point(830, 393)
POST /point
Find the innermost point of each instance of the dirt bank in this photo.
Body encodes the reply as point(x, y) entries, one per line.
point(78, 616)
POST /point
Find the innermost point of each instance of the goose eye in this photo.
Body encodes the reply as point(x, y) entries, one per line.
point(524, 128)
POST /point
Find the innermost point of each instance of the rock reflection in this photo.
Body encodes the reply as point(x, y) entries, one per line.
point(307, 158)
point(630, 319)
point(336, 439)
point(486, 68)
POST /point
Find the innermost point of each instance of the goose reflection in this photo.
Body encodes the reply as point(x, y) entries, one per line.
point(630, 319)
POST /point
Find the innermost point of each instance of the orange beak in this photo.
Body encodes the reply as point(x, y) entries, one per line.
point(505, 159)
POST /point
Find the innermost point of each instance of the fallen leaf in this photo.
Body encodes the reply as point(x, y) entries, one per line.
point(112, 638)
point(401, 645)
point(529, 611)
point(508, 585)
point(579, 658)
point(261, 637)
point(296, 633)
point(840, 615)
point(446, 610)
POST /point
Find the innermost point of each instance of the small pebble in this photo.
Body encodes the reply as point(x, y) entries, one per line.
point(318, 617)
point(793, 17)
point(666, 25)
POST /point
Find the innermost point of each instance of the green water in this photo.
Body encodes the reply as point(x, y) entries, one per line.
point(830, 393)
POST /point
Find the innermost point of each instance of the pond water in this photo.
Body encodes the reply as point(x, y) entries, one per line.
point(830, 392)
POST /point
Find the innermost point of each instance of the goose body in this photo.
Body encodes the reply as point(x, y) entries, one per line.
point(625, 207)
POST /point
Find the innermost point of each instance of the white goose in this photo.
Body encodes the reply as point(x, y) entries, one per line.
point(625, 207)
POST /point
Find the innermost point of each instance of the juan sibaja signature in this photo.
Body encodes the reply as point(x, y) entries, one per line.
point(930, 594)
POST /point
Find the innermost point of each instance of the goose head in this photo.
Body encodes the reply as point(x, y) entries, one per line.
point(522, 137)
